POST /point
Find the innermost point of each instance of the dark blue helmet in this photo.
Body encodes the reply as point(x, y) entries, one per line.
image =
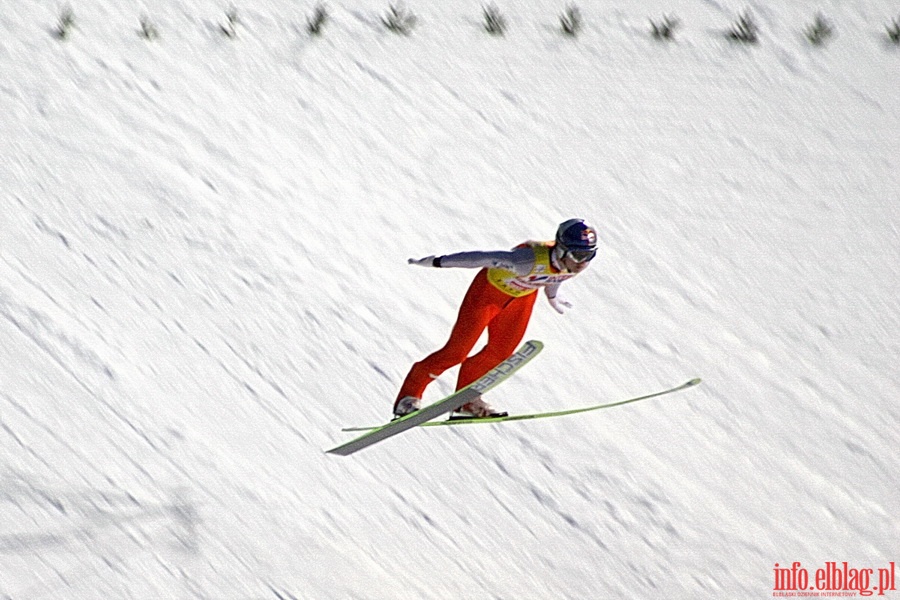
point(577, 239)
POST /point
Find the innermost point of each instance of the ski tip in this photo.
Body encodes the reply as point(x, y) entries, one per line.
point(693, 382)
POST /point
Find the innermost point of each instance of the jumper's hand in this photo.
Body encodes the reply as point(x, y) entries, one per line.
point(428, 261)
point(559, 304)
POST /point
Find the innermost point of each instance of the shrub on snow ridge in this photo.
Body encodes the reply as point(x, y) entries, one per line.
point(148, 29)
point(66, 23)
point(820, 31)
point(570, 21)
point(744, 30)
point(315, 23)
point(893, 31)
point(665, 29)
point(494, 21)
point(229, 28)
point(399, 20)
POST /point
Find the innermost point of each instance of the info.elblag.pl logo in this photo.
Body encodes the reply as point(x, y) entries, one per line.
point(833, 578)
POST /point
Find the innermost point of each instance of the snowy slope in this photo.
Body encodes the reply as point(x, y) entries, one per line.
point(203, 277)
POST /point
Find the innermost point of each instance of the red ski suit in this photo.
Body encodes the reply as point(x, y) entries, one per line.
point(505, 315)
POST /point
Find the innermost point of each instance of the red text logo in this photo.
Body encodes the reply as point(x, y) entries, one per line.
point(796, 580)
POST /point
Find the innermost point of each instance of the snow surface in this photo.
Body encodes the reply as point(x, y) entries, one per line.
point(203, 277)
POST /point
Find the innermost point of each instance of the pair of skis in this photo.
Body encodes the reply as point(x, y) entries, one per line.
point(424, 417)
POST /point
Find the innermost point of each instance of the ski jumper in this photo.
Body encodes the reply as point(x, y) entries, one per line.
point(499, 299)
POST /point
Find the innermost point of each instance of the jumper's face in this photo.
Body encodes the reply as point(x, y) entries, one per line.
point(572, 265)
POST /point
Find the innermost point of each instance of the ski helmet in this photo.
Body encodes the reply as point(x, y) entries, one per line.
point(577, 239)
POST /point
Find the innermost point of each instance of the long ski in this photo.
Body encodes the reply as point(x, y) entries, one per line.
point(544, 415)
point(491, 379)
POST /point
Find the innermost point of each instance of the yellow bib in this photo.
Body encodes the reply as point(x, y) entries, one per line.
point(542, 275)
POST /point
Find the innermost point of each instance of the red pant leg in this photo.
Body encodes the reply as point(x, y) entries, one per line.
point(505, 332)
point(482, 303)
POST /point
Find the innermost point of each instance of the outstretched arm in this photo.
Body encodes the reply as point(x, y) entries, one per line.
point(519, 260)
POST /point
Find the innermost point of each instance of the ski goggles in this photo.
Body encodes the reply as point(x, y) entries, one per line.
point(581, 256)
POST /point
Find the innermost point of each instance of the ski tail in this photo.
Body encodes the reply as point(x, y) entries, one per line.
point(563, 413)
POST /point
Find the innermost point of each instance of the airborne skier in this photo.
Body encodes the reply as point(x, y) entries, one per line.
point(500, 299)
